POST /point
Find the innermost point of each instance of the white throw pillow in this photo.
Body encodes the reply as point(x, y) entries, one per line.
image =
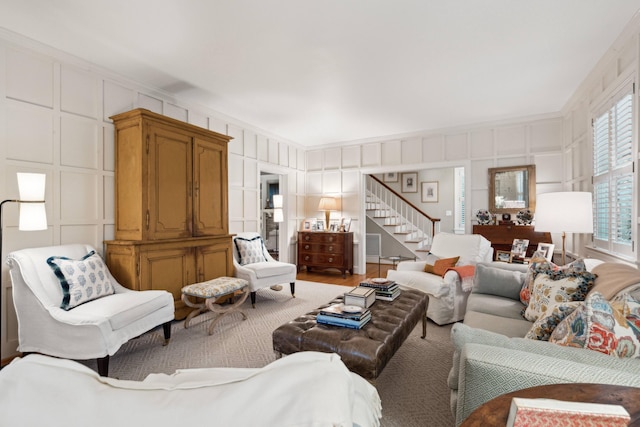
point(250, 251)
point(82, 280)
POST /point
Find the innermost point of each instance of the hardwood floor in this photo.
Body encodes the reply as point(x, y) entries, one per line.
point(335, 277)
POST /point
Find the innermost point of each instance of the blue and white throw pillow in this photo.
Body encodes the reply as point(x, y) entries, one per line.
point(82, 280)
point(250, 250)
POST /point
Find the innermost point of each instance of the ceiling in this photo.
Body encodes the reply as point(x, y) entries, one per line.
point(319, 72)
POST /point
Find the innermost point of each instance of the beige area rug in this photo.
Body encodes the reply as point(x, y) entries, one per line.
point(413, 385)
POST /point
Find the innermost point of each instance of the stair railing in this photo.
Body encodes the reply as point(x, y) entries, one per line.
point(407, 213)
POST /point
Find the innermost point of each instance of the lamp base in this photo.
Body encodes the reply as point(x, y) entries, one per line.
point(327, 214)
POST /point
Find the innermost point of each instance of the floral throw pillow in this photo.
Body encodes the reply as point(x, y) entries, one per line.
point(611, 328)
point(544, 326)
point(538, 266)
point(82, 280)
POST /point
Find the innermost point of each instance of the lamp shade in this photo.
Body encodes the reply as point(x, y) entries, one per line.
point(564, 212)
point(33, 215)
point(277, 201)
point(278, 215)
point(327, 204)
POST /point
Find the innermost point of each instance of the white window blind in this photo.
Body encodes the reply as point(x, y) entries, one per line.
point(613, 175)
point(459, 199)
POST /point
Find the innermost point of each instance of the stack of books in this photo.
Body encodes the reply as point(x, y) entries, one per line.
point(385, 289)
point(348, 316)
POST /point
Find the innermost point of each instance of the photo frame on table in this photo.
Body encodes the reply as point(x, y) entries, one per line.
point(309, 224)
point(390, 177)
point(320, 225)
point(345, 224)
point(429, 191)
point(519, 247)
point(410, 182)
point(504, 256)
point(335, 226)
point(546, 249)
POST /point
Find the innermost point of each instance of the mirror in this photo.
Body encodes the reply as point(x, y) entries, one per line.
point(512, 189)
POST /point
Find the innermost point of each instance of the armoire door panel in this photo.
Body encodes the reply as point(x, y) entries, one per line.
point(170, 170)
point(210, 179)
point(214, 261)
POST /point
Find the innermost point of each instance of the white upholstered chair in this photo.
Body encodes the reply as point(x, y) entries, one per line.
point(92, 329)
point(253, 263)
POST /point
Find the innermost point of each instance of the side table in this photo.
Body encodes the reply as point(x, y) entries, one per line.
point(496, 411)
point(395, 259)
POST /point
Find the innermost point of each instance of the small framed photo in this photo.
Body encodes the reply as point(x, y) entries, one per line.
point(335, 226)
point(319, 225)
point(390, 177)
point(546, 249)
point(429, 192)
point(309, 224)
point(504, 256)
point(345, 224)
point(519, 247)
point(410, 182)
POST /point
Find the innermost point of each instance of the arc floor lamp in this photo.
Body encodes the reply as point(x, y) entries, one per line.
point(33, 216)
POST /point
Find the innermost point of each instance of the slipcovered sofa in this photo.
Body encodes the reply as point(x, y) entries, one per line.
point(303, 389)
point(447, 294)
point(491, 357)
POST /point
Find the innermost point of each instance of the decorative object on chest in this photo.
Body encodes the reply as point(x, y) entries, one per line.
point(503, 236)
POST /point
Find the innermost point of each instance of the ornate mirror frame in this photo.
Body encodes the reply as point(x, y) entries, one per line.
point(530, 185)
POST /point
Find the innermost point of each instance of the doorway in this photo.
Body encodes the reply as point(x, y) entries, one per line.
point(271, 212)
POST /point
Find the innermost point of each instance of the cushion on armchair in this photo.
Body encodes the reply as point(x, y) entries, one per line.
point(250, 250)
point(82, 280)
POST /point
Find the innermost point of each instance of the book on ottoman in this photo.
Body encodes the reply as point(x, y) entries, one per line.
point(360, 296)
point(534, 412)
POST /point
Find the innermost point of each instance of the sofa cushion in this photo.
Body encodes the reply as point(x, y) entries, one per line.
point(507, 308)
point(609, 328)
point(498, 281)
point(548, 291)
point(270, 268)
point(471, 248)
point(82, 280)
point(546, 323)
point(250, 250)
point(498, 324)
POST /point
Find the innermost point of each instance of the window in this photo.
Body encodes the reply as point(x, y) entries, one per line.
point(459, 200)
point(613, 174)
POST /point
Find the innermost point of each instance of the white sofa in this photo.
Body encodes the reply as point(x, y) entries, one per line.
point(303, 389)
point(447, 298)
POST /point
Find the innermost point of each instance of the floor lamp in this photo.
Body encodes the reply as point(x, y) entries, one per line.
point(33, 216)
point(564, 212)
point(278, 216)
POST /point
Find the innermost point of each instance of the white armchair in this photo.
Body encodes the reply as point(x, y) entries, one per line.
point(254, 264)
point(93, 329)
point(447, 298)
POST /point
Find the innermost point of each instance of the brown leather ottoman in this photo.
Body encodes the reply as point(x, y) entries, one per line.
point(364, 351)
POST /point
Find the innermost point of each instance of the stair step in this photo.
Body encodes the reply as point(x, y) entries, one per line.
point(423, 250)
point(401, 232)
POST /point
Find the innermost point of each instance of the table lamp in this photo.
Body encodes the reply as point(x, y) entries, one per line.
point(564, 212)
point(33, 216)
point(327, 204)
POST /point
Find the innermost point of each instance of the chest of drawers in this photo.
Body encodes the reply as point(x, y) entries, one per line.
point(322, 250)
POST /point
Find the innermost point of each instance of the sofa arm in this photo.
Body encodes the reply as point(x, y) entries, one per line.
point(488, 371)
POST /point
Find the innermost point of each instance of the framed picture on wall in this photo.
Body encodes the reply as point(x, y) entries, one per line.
point(429, 192)
point(390, 177)
point(410, 182)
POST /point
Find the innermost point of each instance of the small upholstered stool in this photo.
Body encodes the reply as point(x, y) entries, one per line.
point(211, 291)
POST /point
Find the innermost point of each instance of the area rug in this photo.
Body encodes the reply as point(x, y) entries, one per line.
point(413, 385)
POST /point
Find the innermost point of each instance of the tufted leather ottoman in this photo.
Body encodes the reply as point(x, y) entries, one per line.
point(365, 351)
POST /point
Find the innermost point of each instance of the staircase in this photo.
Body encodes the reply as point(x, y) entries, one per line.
point(399, 218)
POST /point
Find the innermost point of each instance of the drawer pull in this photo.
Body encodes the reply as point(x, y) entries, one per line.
point(307, 238)
point(330, 259)
point(330, 248)
point(307, 247)
point(331, 238)
point(307, 258)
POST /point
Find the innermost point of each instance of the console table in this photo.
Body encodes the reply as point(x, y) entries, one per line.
point(502, 236)
point(323, 249)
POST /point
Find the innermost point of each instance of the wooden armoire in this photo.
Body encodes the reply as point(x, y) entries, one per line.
point(171, 219)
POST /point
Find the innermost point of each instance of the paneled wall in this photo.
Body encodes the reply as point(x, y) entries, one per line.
point(618, 67)
point(340, 171)
point(54, 119)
